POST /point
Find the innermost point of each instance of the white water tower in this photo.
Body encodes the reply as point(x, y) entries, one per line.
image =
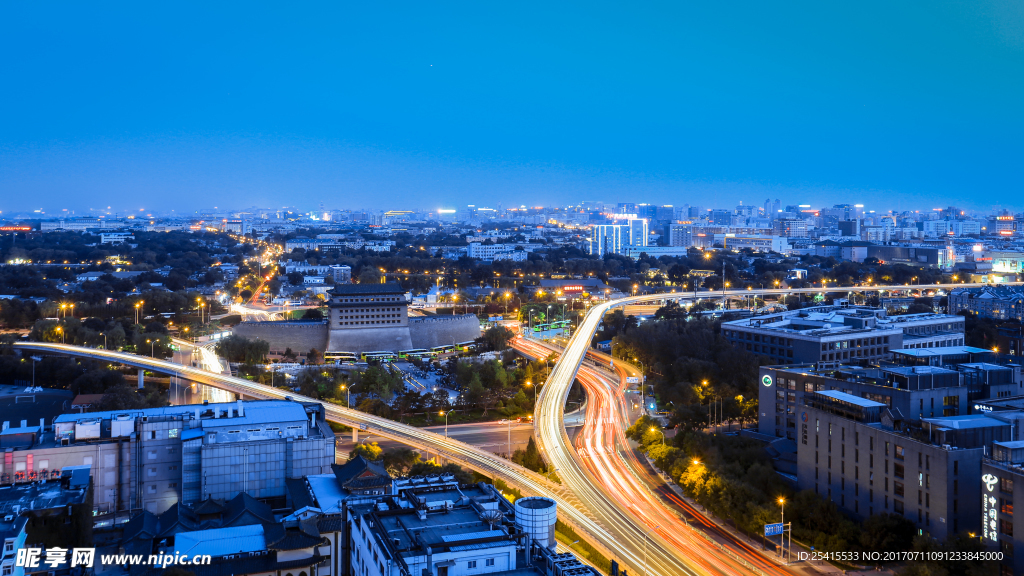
point(536, 516)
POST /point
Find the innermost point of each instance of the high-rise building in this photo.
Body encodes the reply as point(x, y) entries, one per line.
point(614, 238)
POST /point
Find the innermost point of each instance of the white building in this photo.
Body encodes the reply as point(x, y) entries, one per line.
point(615, 238)
point(756, 242)
point(489, 252)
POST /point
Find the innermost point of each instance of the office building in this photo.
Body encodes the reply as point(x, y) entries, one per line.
point(1002, 482)
point(835, 335)
point(614, 238)
point(491, 252)
point(911, 391)
point(755, 242)
point(790, 227)
point(153, 458)
point(867, 459)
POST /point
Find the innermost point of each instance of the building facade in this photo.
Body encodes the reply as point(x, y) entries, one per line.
point(153, 458)
point(996, 302)
point(835, 335)
point(852, 452)
point(1002, 484)
point(614, 238)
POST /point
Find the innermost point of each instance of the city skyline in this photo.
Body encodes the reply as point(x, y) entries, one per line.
point(664, 104)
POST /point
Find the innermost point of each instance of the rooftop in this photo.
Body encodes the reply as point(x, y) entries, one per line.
point(221, 541)
point(965, 422)
point(855, 400)
point(38, 496)
point(255, 412)
point(367, 289)
point(940, 351)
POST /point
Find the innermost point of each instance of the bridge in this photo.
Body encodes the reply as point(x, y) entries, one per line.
point(616, 529)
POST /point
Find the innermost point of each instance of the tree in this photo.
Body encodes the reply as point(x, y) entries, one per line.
point(370, 275)
point(240, 349)
point(122, 398)
point(96, 382)
point(887, 533)
point(399, 460)
point(497, 338)
point(530, 458)
point(314, 356)
point(313, 314)
point(371, 451)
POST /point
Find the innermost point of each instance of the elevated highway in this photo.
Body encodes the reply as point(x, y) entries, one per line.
point(613, 525)
point(472, 457)
point(624, 519)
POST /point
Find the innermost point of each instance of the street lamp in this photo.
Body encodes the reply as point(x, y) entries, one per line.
point(445, 414)
point(61, 332)
point(655, 429)
point(348, 396)
point(534, 392)
point(152, 347)
point(782, 543)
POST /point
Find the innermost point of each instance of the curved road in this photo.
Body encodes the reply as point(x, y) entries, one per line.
point(617, 530)
point(554, 441)
point(475, 458)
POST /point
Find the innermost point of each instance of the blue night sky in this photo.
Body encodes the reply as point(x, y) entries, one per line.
point(427, 104)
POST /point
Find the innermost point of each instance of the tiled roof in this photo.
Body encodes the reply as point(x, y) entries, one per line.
point(370, 289)
point(305, 535)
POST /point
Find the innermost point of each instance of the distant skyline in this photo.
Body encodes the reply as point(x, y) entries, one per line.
point(896, 106)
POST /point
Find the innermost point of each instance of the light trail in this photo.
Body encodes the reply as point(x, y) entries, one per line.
point(598, 451)
point(475, 458)
point(611, 527)
point(603, 448)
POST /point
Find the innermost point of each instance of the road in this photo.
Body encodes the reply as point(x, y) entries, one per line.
point(493, 436)
point(581, 502)
point(428, 443)
point(625, 477)
point(253, 312)
point(617, 489)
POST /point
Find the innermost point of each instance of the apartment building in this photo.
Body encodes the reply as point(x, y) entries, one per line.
point(996, 302)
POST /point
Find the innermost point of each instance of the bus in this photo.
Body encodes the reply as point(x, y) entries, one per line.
point(414, 353)
point(467, 346)
point(438, 350)
point(340, 357)
point(379, 355)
